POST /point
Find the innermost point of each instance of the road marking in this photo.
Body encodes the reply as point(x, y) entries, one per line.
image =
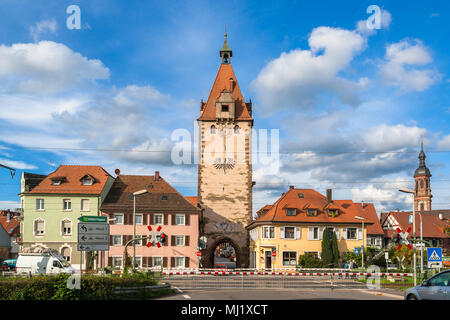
point(178, 289)
point(186, 296)
point(383, 294)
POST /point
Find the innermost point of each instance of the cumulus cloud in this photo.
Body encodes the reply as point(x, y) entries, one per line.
point(444, 143)
point(17, 164)
point(46, 67)
point(297, 78)
point(385, 137)
point(404, 66)
point(42, 27)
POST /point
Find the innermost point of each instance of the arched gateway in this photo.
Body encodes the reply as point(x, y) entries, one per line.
point(225, 170)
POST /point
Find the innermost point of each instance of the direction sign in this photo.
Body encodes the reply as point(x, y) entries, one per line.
point(93, 247)
point(92, 228)
point(93, 219)
point(93, 236)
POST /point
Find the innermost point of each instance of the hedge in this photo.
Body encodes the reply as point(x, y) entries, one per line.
point(92, 288)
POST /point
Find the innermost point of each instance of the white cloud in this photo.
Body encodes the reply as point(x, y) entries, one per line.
point(444, 143)
point(11, 205)
point(41, 27)
point(46, 67)
point(401, 68)
point(386, 138)
point(17, 164)
point(297, 78)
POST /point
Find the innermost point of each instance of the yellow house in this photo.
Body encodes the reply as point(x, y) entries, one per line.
point(294, 225)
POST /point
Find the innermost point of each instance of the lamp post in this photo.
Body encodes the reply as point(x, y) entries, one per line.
point(362, 250)
point(414, 230)
point(134, 222)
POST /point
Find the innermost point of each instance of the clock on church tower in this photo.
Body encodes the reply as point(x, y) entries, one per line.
point(224, 169)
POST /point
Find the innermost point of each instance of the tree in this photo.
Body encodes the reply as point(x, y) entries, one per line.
point(327, 250)
point(334, 249)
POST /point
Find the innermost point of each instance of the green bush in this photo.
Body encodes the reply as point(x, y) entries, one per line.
point(309, 260)
point(92, 288)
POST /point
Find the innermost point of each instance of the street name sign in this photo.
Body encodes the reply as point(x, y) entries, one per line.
point(93, 219)
point(434, 257)
point(93, 236)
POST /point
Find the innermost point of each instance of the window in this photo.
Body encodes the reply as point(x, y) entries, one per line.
point(236, 129)
point(119, 218)
point(158, 219)
point(84, 204)
point(289, 232)
point(117, 240)
point(39, 204)
point(179, 241)
point(87, 181)
point(224, 108)
point(56, 182)
point(67, 205)
point(300, 195)
point(315, 234)
point(442, 280)
point(179, 262)
point(157, 261)
point(351, 233)
point(138, 242)
point(117, 262)
point(213, 129)
point(268, 232)
point(290, 212)
point(179, 219)
point(138, 218)
point(138, 262)
point(332, 212)
point(164, 197)
point(289, 258)
point(66, 226)
point(65, 252)
point(311, 212)
point(39, 227)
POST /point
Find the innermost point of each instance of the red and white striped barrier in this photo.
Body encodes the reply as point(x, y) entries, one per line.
point(267, 273)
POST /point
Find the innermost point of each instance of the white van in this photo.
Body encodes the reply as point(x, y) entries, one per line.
point(42, 263)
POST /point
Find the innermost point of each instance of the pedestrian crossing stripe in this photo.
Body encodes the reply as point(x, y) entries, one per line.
point(434, 256)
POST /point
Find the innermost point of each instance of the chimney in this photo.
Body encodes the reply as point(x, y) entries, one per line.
point(329, 196)
point(441, 217)
point(156, 175)
point(291, 187)
point(8, 217)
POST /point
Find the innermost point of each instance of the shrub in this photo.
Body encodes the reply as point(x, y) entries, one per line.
point(309, 260)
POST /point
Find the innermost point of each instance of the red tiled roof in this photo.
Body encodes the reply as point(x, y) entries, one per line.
point(222, 82)
point(72, 185)
point(193, 200)
point(347, 209)
point(433, 227)
point(12, 227)
point(375, 228)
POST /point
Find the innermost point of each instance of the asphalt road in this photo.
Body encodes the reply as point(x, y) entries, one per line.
point(284, 294)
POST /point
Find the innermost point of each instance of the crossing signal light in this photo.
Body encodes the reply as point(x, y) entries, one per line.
point(396, 237)
point(162, 238)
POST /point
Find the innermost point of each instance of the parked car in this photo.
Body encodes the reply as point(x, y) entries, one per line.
point(9, 265)
point(435, 288)
point(42, 263)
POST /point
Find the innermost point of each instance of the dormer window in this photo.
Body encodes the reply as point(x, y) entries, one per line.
point(225, 108)
point(56, 181)
point(311, 212)
point(333, 213)
point(291, 212)
point(87, 182)
point(300, 195)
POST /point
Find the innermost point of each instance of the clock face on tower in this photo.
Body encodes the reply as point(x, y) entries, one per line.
point(224, 164)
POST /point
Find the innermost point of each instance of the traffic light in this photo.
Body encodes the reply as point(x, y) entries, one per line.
point(162, 238)
point(396, 237)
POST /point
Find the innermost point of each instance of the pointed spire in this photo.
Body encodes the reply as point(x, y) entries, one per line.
point(422, 169)
point(226, 52)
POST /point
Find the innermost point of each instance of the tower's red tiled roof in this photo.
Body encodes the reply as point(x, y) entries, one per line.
point(223, 82)
point(72, 182)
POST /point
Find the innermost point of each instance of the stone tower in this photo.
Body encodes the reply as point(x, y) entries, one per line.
point(224, 169)
point(422, 199)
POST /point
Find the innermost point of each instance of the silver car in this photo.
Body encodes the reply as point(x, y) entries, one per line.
point(435, 288)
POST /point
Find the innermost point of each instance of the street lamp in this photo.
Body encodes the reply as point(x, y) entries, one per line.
point(405, 190)
point(362, 250)
point(134, 222)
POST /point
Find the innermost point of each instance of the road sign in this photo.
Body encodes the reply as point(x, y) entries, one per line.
point(356, 250)
point(434, 257)
point(404, 240)
point(93, 219)
point(198, 253)
point(93, 236)
point(274, 253)
point(93, 247)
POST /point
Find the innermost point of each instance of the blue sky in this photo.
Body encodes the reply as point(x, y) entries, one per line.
point(137, 70)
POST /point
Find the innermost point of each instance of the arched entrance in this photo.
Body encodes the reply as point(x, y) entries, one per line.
point(224, 254)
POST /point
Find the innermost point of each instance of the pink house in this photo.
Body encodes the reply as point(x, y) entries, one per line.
point(160, 205)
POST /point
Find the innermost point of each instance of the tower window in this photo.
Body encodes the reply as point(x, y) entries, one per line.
point(224, 108)
point(236, 129)
point(213, 129)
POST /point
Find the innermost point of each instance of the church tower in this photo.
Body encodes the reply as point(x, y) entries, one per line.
point(224, 169)
point(422, 199)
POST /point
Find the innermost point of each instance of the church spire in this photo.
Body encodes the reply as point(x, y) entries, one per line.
point(226, 52)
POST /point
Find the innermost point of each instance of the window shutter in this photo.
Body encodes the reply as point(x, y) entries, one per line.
point(172, 241)
point(262, 232)
point(110, 240)
point(144, 219)
point(310, 233)
point(336, 230)
point(144, 242)
point(344, 234)
point(188, 219)
point(298, 233)
point(360, 234)
point(165, 218)
point(164, 262)
point(281, 232)
point(152, 219)
point(186, 241)
point(149, 262)
point(321, 233)
point(110, 261)
point(173, 219)
point(172, 262)
point(186, 262)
